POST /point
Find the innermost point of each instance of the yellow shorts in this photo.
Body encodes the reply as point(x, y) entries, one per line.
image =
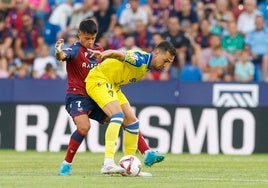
point(103, 93)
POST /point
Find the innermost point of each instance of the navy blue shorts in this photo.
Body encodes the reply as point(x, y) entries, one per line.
point(79, 104)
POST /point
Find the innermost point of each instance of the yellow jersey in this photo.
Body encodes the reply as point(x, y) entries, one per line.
point(118, 73)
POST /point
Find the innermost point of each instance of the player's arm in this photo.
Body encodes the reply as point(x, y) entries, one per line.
point(60, 55)
point(117, 54)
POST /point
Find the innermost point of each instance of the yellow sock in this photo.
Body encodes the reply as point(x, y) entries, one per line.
point(131, 136)
point(111, 134)
point(111, 137)
point(130, 143)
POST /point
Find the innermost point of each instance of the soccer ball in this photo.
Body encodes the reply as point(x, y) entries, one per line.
point(131, 164)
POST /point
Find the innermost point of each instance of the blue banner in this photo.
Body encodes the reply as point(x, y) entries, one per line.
point(147, 92)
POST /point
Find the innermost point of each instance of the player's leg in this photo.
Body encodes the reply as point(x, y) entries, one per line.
point(131, 133)
point(80, 118)
point(131, 137)
point(131, 129)
point(104, 94)
point(150, 157)
point(142, 144)
point(113, 110)
point(83, 125)
point(131, 121)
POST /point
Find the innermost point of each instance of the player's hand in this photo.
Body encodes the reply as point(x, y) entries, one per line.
point(95, 53)
point(58, 45)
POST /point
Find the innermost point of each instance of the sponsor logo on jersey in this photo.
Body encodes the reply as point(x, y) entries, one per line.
point(132, 80)
point(235, 95)
point(84, 65)
point(111, 93)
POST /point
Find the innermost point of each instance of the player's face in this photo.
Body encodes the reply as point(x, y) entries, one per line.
point(87, 40)
point(161, 59)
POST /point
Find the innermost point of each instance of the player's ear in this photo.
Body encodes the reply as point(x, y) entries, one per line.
point(78, 34)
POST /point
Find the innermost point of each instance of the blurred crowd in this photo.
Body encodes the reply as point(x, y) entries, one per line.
point(216, 40)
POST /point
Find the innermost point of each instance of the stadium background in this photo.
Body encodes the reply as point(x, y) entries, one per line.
point(172, 119)
point(227, 118)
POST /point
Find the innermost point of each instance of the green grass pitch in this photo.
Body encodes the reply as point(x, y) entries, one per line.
point(39, 169)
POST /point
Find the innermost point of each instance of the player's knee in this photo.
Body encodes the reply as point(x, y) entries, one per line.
point(133, 128)
point(84, 128)
point(117, 118)
point(129, 120)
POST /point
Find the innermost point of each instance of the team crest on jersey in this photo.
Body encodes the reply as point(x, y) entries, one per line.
point(134, 56)
point(80, 109)
point(111, 93)
point(131, 58)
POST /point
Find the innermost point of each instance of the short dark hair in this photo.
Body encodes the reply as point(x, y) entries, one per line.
point(167, 46)
point(88, 26)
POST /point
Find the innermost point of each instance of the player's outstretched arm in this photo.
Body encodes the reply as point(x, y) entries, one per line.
point(119, 55)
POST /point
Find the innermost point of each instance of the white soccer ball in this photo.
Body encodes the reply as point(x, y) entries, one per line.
point(131, 164)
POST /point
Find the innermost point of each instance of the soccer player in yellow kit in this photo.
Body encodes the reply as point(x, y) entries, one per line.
point(103, 86)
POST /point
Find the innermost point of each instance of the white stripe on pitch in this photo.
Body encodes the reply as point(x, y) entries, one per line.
point(225, 179)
